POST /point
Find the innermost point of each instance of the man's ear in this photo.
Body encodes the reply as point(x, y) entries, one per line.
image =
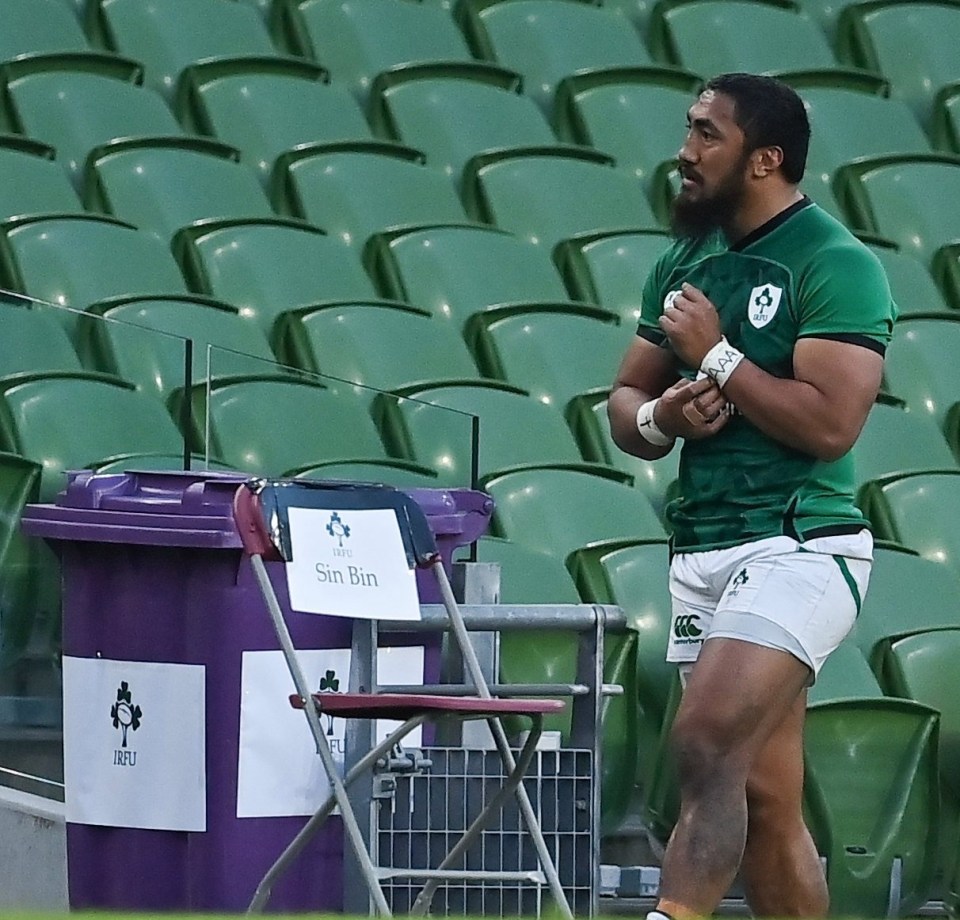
point(767, 160)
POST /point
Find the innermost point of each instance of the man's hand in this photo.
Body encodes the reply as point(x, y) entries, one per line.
point(692, 325)
point(692, 409)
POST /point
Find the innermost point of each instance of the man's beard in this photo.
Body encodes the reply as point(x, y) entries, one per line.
point(697, 218)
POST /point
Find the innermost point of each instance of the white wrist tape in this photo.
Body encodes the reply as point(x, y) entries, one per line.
point(721, 361)
point(648, 427)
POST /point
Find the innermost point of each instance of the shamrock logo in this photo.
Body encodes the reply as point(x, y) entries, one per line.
point(125, 715)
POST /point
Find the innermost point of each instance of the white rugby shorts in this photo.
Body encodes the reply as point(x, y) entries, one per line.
point(776, 592)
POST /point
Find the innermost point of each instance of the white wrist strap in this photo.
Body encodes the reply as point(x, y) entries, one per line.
point(648, 427)
point(721, 361)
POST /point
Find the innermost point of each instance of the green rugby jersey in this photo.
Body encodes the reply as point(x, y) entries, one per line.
point(802, 274)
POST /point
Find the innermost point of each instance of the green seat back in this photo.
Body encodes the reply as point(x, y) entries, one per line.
point(913, 286)
point(161, 188)
point(458, 272)
point(34, 183)
point(558, 511)
point(548, 197)
point(33, 341)
point(259, 267)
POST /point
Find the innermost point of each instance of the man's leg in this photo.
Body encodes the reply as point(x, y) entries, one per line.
point(738, 694)
point(781, 869)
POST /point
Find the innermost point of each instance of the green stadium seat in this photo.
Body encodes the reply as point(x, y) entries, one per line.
point(945, 121)
point(545, 195)
point(385, 471)
point(920, 511)
point(896, 440)
point(161, 186)
point(891, 196)
point(35, 183)
point(637, 12)
point(380, 345)
point(527, 576)
point(547, 40)
point(735, 35)
point(920, 367)
point(459, 272)
point(514, 431)
point(872, 797)
point(656, 479)
point(271, 106)
point(33, 341)
point(558, 510)
point(75, 112)
point(167, 36)
point(913, 286)
point(847, 126)
point(911, 44)
point(610, 269)
point(637, 120)
point(277, 426)
point(907, 594)
point(355, 190)
point(826, 13)
point(75, 421)
point(37, 32)
point(142, 339)
point(258, 266)
point(555, 354)
point(946, 271)
point(60, 259)
point(357, 39)
point(452, 112)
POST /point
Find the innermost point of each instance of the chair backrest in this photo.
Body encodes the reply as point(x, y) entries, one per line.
point(264, 267)
point(458, 272)
point(546, 196)
point(360, 190)
point(34, 341)
point(357, 39)
point(920, 511)
point(69, 422)
point(35, 183)
point(61, 260)
point(558, 511)
point(920, 365)
point(627, 114)
point(895, 440)
point(891, 196)
point(610, 269)
point(552, 353)
point(270, 107)
point(514, 430)
point(378, 345)
point(846, 126)
point(926, 667)
point(911, 44)
point(452, 113)
point(75, 112)
point(547, 40)
point(735, 36)
point(163, 187)
point(166, 36)
point(913, 286)
point(142, 339)
point(281, 427)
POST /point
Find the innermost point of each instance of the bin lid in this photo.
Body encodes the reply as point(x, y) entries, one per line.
point(195, 508)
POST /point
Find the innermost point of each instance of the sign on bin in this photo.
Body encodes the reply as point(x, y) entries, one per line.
point(350, 563)
point(133, 744)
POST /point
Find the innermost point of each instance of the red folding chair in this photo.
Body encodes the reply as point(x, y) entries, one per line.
point(261, 511)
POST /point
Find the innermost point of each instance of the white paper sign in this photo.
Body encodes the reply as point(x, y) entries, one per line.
point(279, 772)
point(133, 744)
point(350, 563)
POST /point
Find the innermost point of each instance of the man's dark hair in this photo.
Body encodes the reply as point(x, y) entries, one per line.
point(770, 114)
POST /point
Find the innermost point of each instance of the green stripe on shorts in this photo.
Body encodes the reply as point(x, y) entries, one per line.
point(848, 578)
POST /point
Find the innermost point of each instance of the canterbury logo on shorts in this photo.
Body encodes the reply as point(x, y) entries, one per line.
point(686, 629)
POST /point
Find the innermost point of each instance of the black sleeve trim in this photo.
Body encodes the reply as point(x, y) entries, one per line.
point(652, 335)
point(854, 338)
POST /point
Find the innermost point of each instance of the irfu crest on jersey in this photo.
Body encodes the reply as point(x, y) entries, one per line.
point(764, 301)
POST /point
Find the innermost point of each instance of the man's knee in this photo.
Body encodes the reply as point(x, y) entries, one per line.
point(704, 753)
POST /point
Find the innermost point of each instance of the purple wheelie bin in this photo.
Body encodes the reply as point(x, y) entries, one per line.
point(153, 571)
